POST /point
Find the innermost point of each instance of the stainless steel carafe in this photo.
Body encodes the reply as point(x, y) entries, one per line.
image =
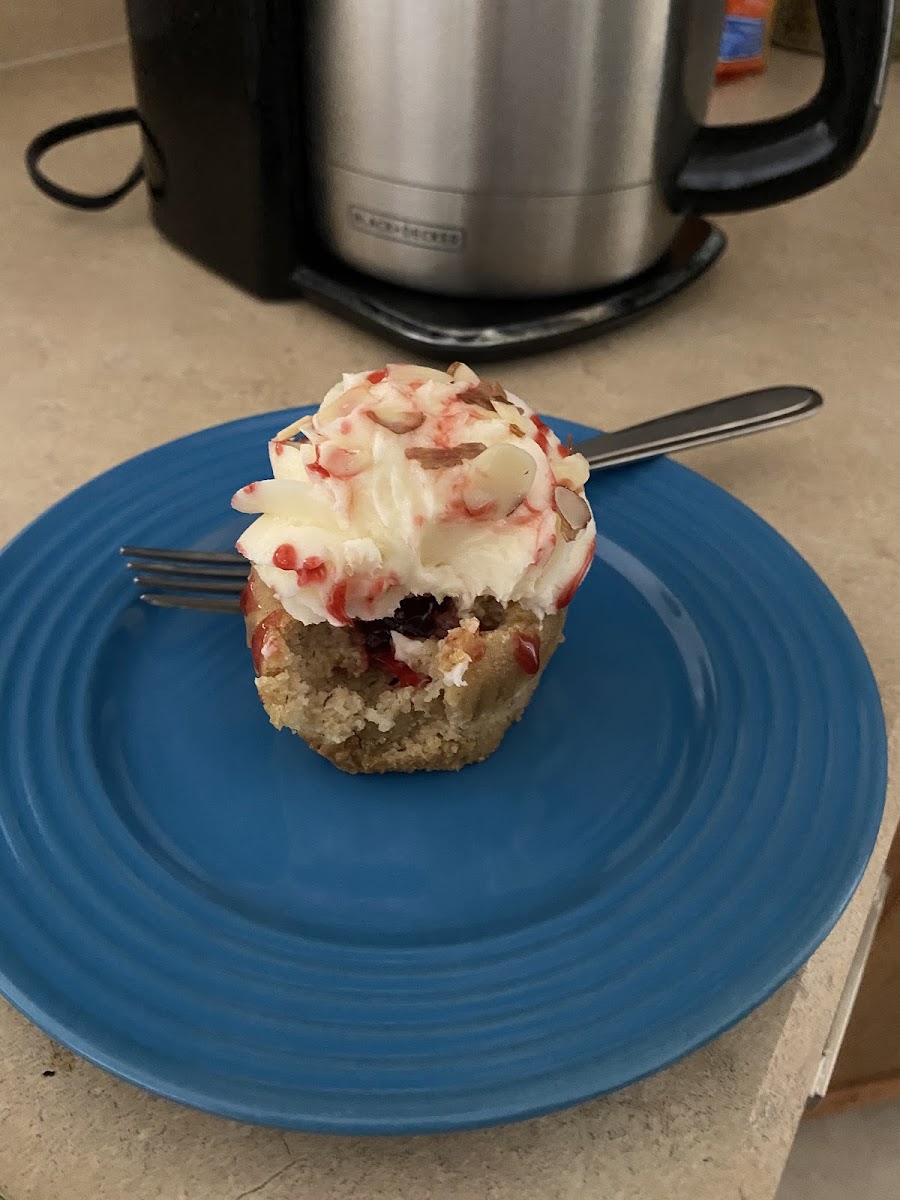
point(534, 147)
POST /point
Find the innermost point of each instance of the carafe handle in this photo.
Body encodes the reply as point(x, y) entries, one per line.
point(736, 167)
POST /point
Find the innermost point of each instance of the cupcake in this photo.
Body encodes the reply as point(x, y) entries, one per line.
point(414, 556)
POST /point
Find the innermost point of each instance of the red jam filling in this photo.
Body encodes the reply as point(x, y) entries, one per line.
point(400, 671)
point(418, 617)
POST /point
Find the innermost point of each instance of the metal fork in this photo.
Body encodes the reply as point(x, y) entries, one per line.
point(204, 580)
point(213, 581)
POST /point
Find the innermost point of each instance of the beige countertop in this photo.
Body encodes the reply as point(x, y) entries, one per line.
point(112, 342)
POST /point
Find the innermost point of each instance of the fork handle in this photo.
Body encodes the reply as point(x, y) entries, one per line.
point(734, 416)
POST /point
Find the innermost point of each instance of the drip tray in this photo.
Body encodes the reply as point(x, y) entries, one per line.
point(481, 329)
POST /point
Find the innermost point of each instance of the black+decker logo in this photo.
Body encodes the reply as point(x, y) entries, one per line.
point(411, 233)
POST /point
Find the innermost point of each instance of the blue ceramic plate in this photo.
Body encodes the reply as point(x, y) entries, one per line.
point(203, 906)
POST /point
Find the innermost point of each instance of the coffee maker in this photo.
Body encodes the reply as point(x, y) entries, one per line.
point(472, 177)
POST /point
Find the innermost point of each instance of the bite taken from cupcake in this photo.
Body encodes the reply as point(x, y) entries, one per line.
point(412, 562)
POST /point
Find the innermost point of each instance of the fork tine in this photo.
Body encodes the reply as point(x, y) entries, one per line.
point(210, 557)
point(190, 570)
point(165, 583)
point(213, 604)
point(201, 580)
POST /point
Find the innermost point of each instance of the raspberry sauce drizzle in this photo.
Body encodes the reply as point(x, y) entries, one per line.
point(564, 599)
point(316, 468)
point(285, 557)
point(311, 570)
point(248, 600)
point(543, 432)
point(258, 641)
point(527, 652)
point(336, 605)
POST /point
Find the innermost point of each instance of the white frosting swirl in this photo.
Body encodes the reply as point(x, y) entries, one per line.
point(398, 486)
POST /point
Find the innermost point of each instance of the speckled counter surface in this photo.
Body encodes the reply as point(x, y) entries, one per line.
point(112, 342)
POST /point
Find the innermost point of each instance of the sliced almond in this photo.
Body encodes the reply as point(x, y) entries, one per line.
point(514, 418)
point(343, 463)
point(476, 396)
point(299, 428)
point(409, 373)
point(303, 449)
point(397, 416)
point(432, 457)
point(572, 471)
point(499, 480)
point(460, 373)
point(339, 405)
point(483, 394)
point(573, 511)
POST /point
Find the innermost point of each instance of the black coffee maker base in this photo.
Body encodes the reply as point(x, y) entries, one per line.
point(450, 327)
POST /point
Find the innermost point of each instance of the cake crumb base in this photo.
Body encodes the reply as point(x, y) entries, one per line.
point(317, 680)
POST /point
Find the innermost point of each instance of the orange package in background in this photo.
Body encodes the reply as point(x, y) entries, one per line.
point(745, 38)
